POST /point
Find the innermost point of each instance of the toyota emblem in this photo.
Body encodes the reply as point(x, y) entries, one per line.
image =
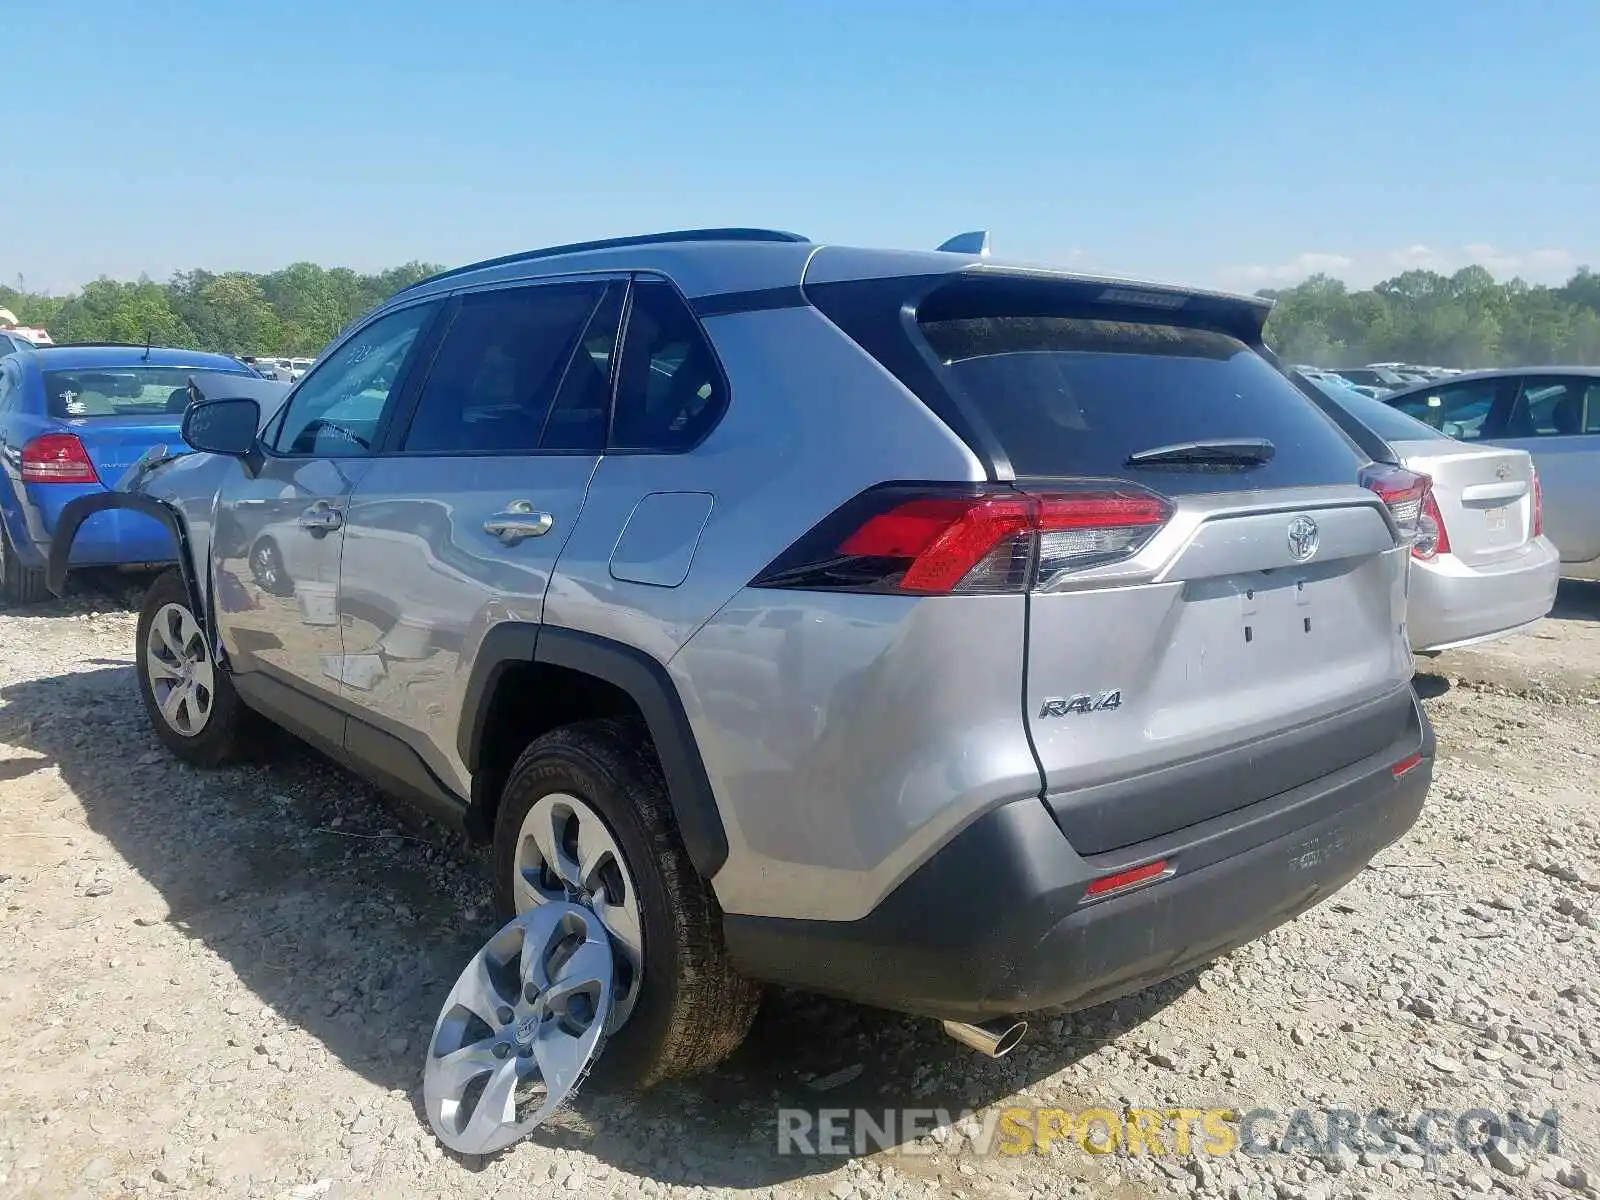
point(1302, 538)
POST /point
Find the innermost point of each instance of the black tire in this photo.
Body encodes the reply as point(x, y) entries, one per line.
point(693, 1009)
point(19, 585)
point(229, 731)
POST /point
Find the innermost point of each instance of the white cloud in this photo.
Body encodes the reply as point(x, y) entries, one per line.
point(1297, 268)
point(1552, 260)
point(1416, 256)
point(1485, 255)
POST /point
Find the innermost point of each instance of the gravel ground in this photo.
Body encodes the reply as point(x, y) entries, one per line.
point(220, 983)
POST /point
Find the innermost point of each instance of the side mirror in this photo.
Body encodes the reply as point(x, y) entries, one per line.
point(224, 426)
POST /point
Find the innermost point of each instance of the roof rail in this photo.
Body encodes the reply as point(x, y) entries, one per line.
point(640, 239)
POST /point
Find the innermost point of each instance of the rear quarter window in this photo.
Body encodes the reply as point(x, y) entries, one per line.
point(1078, 396)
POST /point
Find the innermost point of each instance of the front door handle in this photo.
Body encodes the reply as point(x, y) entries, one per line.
point(321, 518)
point(518, 521)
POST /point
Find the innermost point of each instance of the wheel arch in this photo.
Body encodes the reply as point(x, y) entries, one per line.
point(76, 512)
point(512, 646)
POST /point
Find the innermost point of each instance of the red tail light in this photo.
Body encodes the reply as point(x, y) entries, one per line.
point(937, 541)
point(1403, 492)
point(1432, 537)
point(1406, 765)
point(57, 458)
point(1538, 506)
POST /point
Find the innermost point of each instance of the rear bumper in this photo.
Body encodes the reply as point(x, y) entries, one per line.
point(995, 923)
point(1451, 603)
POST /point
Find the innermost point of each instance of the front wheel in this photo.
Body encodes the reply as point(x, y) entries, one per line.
point(190, 700)
point(585, 817)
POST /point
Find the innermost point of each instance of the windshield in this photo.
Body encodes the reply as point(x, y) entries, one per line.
point(119, 391)
point(1388, 423)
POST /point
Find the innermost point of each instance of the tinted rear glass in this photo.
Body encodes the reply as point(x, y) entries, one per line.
point(1388, 423)
point(119, 391)
point(1076, 396)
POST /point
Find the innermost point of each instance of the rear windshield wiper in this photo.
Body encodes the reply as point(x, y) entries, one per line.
point(1222, 452)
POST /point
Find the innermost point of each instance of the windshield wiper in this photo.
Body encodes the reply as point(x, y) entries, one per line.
point(1227, 452)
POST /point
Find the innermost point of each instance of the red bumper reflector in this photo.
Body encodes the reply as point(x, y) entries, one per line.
point(1126, 879)
point(1406, 764)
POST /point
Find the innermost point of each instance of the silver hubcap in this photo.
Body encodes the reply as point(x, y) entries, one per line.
point(179, 668)
point(566, 853)
point(519, 1029)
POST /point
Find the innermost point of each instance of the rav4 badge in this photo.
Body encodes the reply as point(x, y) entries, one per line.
point(1066, 706)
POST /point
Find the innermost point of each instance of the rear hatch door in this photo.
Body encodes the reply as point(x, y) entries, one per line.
point(1252, 641)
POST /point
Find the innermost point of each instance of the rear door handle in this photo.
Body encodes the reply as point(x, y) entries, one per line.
point(321, 517)
point(519, 520)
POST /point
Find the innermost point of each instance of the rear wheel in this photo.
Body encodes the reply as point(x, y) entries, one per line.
point(18, 584)
point(585, 816)
point(190, 700)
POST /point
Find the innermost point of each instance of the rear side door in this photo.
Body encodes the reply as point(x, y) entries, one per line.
point(280, 528)
point(458, 523)
point(1557, 420)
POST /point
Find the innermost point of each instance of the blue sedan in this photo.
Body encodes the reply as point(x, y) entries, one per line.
point(72, 420)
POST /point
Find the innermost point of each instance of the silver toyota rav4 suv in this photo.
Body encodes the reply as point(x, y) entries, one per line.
point(953, 637)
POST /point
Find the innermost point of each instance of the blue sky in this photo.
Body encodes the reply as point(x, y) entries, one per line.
point(1237, 142)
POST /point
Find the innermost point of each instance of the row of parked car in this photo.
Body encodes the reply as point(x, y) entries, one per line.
point(1378, 379)
point(286, 370)
point(815, 615)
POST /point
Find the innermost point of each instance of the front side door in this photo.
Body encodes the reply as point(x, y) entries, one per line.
point(458, 522)
point(1557, 420)
point(280, 527)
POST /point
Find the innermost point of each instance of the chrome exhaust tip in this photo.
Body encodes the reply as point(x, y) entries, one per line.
point(995, 1041)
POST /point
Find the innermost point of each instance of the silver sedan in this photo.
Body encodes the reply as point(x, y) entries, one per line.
point(1482, 568)
point(1553, 413)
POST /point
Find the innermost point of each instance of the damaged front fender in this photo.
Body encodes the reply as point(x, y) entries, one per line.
point(176, 486)
point(80, 510)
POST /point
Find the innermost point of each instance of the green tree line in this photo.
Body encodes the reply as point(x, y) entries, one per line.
point(295, 311)
point(1467, 319)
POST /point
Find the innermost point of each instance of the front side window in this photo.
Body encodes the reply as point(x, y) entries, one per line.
point(1461, 410)
point(1546, 407)
point(519, 370)
point(118, 392)
point(670, 391)
point(335, 411)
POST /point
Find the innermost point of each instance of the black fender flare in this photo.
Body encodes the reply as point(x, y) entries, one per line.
point(634, 672)
point(76, 512)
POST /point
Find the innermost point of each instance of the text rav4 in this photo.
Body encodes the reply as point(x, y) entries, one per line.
point(1066, 706)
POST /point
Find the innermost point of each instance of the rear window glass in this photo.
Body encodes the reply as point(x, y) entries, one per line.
point(119, 391)
point(1076, 396)
point(1388, 423)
